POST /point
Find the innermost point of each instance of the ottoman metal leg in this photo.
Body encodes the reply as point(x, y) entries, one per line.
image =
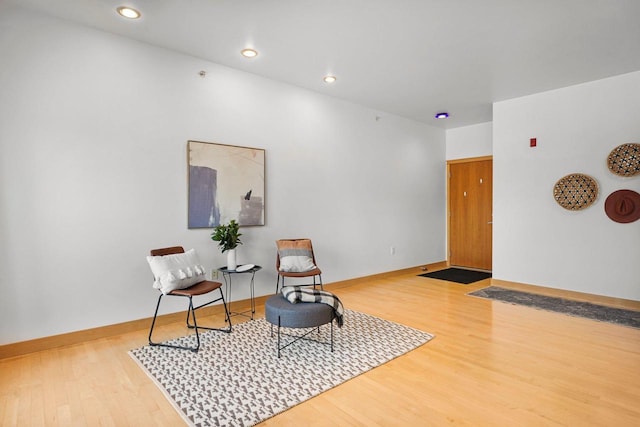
point(305, 316)
point(279, 337)
point(300, 337)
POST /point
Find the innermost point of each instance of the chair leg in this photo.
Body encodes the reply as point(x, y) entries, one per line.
point(195, 324)
point(319, 282)
point(153, 322)
point(226, 310)
point(191, 312)
point(190, 326)
point(227, 316)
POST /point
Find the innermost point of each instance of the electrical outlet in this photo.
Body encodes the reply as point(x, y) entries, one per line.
point(393, 250)
point(214, 274)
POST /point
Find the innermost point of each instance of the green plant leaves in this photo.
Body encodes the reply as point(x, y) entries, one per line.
point(227, 236)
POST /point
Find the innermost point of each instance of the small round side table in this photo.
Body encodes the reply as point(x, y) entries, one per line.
point(226, 275)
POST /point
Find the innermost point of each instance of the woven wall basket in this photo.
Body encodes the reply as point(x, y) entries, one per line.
point(624, 160)
point(575, 191)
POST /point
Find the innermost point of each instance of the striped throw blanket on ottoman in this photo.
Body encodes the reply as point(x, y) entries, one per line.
point(296, 294)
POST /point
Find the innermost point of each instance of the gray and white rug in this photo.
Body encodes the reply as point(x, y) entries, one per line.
point(602, 313)
point(236, 379)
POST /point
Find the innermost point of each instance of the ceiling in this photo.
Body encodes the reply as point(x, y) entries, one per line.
point(411, 58)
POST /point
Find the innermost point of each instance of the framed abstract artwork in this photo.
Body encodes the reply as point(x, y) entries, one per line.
point(225, 182)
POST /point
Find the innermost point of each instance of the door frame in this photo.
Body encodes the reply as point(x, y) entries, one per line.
point(448, 175)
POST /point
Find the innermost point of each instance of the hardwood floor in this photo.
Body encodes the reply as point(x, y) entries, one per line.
point(491, 364)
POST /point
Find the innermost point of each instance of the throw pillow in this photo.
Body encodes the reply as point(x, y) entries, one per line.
point(176, 271)
point(296, 264)
point(296, 256)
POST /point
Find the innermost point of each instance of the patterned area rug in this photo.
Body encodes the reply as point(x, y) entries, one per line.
point(236, 379)
point(588, 310)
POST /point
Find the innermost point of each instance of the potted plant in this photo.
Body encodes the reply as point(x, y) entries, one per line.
point(228, 238)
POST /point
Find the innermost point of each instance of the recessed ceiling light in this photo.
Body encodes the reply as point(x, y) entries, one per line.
point(442, 115)
point(329, 79)
point(128, 12)
point(249, 53)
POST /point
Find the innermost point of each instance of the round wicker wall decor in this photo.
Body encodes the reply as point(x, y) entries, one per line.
point(575, 191)
point(624, 160)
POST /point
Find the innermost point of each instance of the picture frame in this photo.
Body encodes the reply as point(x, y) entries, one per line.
point(225, 182)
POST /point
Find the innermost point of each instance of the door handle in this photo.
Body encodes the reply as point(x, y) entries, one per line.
point(490, 222)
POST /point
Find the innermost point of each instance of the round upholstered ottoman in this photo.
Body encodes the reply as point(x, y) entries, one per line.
point(283, 314)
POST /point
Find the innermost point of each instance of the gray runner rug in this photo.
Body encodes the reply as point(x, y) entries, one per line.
point(603, 313)
point(236, 379)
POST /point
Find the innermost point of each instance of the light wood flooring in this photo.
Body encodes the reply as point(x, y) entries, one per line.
point(491, 364)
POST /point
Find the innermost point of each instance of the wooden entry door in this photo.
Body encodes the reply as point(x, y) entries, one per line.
point(470, 194)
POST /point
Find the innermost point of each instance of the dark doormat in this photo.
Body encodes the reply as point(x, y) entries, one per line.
point(602, 313)
point(458, 275)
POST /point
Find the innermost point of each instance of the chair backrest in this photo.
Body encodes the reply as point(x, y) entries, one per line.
point(289, 244)
point(167, 251)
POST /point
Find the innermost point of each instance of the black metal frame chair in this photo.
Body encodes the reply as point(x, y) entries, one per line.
point(311, 273)
point(200, 288)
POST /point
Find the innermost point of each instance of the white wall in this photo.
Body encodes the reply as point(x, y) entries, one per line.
point(470, 141)
point(93, 133)
point(535, 240)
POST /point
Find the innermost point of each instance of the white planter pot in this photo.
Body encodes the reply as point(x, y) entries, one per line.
point(231, 260)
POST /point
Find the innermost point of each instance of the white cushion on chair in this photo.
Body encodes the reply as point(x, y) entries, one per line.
point(176, 271)
point(296, 264)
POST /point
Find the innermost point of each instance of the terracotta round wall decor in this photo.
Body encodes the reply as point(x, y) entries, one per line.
point(576, 191)
point(623, 206)
point(624, 160)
